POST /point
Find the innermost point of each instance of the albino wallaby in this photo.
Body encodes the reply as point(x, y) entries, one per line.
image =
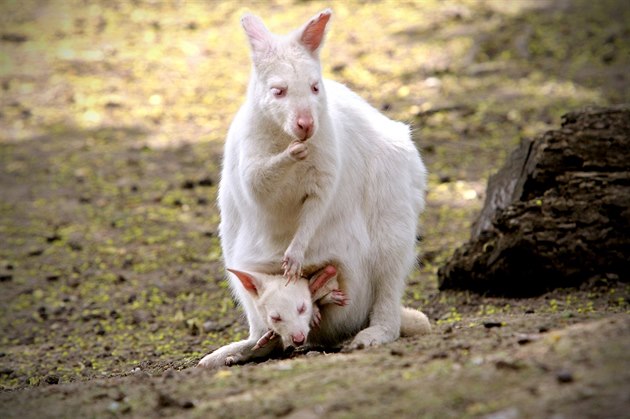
point(286, 307)
point(288, 310)
point(312, 173)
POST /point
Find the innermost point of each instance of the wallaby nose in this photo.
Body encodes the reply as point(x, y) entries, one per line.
point(304, 126)
point(298, 338)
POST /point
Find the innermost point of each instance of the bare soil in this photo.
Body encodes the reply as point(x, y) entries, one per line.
point(112, 117)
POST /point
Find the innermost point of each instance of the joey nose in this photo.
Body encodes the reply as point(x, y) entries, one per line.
point(298, 338)
point(304, 126)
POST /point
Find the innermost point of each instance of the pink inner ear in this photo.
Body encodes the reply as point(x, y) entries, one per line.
point(314, 32)
point(259, 36)
point(248, 281)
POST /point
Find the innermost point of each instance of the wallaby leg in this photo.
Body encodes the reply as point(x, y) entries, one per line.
point(235, 353)
point(384, 319)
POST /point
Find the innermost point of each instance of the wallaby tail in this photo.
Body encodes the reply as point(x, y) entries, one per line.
point(413, 322)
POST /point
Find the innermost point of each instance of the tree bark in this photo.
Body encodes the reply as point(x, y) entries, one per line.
point(557, 213)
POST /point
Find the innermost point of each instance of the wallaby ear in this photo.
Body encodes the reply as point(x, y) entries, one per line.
point(248, 280)
point(321, 278)
point(260, 39)
point(313, 33)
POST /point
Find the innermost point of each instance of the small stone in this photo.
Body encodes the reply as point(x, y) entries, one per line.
point(117, 407)
point(165, 400)
point(42, 313)
point(168, 374)
point(564, 377)
point(490, 325)
point(338, 68)
point(119, 396)
point(445, 179)
point(188, 184)
point(75, 245)
point(35, 251)
point(439, 355)
point(17, 38)
point(51, 238)
point(509, 413)
point(51, 379)
point(524, 339)
point(206, 181)
point(396, 352)
point(508, 365)
point(187, 404)
point(210, 326)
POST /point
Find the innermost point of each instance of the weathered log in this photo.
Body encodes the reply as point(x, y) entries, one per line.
point(557, 213)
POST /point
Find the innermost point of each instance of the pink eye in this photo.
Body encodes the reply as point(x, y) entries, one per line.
point(278, 91)
point(315, 88)
point(276, 319)
point(302, 309)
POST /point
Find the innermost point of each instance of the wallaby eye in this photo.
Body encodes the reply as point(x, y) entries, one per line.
point(279, 91)
point(302, 308)
point(275, 318)
point(315, 88)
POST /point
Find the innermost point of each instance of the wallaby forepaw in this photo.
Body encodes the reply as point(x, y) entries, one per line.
point(292, 268)
point(298, 150)
point(316, 318)
point(264, 340)
point(339, 297)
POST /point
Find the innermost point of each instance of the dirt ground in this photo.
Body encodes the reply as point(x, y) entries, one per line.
point(112, 117)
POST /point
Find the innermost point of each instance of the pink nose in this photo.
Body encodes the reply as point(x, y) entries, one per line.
point(298, 338)
point(304, 126)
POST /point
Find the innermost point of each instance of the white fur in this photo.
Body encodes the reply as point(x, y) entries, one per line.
point(351, 193)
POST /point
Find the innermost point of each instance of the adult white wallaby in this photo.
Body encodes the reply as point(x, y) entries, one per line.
point(313, 174)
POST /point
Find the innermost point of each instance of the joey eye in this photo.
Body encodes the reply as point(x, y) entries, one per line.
point(279, 91)
point(276, 318)
point(302, 308)
point(315, 88)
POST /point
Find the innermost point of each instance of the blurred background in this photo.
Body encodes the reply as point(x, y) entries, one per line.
point(112, 119)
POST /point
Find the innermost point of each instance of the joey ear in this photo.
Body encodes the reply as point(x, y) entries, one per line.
point(313, 33)
point(260, 39)
point(249, 281)
point(321, 278)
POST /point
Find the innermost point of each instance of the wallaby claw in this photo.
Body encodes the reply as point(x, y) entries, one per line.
point(292, 269)
point(316, 318)
point(339, 297)
point(298, 150)
point(264, 340)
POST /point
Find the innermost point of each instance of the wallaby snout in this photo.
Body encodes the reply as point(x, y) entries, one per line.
point(304, 126)
point(298, 339)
